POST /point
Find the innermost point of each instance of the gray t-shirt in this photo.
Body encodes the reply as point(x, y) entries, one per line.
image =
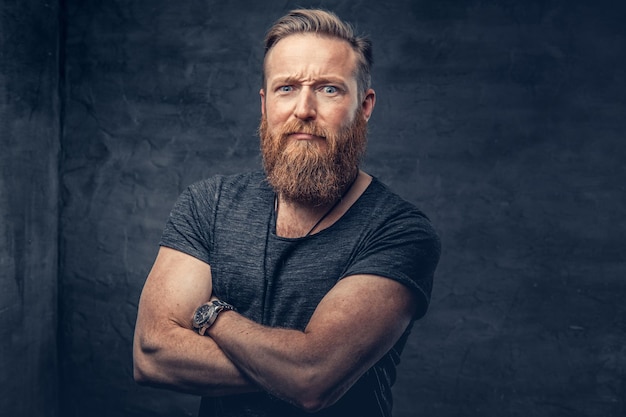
point(229, 223)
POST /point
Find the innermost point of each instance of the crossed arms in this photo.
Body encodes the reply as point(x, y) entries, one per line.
point(354, 325)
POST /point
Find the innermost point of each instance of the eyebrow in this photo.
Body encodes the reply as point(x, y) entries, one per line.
point(290, 79)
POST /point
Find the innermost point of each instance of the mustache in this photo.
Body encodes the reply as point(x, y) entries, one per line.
point(298, 126)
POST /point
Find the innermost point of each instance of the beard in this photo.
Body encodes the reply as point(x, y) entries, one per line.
point(305, 172)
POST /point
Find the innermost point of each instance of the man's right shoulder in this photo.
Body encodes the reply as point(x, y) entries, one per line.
point(227, 181)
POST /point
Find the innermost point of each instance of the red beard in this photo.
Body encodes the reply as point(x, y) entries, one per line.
point(304, 171)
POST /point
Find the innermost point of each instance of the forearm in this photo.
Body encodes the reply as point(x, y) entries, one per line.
point(177, 358)
point(286, 363)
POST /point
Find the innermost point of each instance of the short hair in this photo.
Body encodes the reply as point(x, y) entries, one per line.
point(325, 23)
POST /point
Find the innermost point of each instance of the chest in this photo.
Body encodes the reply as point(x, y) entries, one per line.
point(275, 281)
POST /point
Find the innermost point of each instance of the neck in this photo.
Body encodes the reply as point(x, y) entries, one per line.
point(295, 219)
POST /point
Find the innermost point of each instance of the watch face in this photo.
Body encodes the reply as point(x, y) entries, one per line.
point(202, 314)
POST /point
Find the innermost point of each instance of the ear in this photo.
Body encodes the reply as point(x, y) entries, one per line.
point(369, 101)
point(262, 94)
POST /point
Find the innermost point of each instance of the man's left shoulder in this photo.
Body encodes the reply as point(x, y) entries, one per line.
point(389, 201)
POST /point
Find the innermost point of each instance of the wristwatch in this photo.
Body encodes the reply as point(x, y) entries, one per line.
point(206, 314)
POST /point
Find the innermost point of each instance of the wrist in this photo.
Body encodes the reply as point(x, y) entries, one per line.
point(205, 315)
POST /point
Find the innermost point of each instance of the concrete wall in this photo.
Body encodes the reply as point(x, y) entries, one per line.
point(502, 119)
point(29, 147)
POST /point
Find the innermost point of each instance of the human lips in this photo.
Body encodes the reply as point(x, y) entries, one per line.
point(305, 136)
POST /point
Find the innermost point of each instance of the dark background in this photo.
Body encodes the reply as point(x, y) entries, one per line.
point(503, 120)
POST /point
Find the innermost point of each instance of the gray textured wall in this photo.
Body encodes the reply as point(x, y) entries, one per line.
point(29, 147)
point(502, 119)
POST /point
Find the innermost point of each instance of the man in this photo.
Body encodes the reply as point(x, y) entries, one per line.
point(291, 291)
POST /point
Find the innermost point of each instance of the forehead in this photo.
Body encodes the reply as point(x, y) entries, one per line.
point(310, 56)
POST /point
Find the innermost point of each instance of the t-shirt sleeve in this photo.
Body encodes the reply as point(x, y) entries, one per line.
point(188, 228)
point(406, 248)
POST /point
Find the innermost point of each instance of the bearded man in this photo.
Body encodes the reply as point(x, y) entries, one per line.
point(291, 291)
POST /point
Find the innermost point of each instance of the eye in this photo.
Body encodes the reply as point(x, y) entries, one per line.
point(330, 89)
point(285, 89)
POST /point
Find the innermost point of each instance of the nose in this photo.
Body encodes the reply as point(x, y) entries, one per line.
point(306, 106)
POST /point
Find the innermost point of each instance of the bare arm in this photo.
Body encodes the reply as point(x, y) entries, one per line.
point(355, 324)
point(167, 352)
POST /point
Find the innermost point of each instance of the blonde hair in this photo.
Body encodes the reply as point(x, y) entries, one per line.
point(325, 23)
